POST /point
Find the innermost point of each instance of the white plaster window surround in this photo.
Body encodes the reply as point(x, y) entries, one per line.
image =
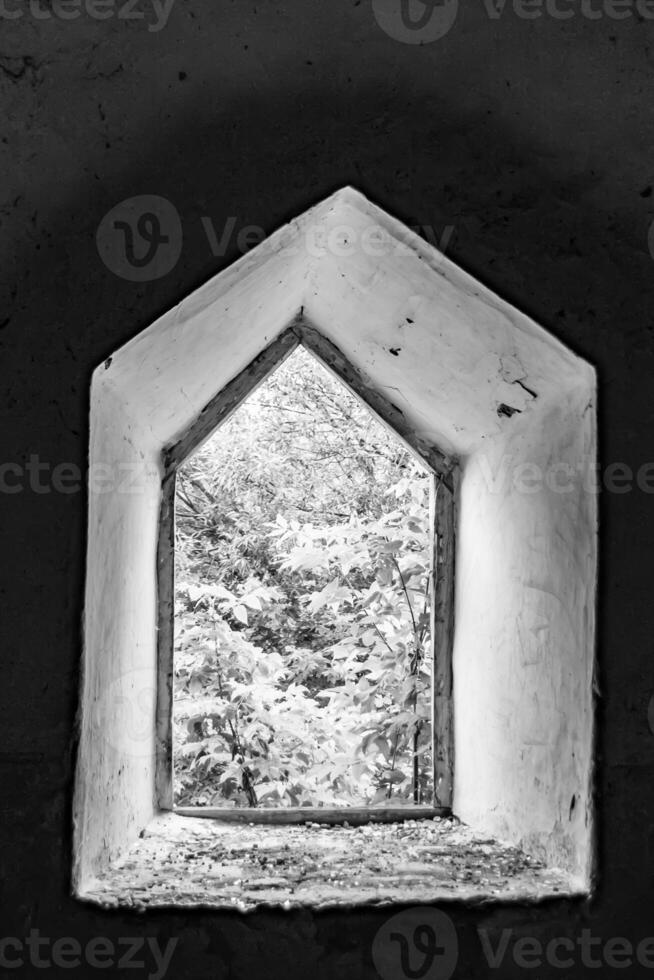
point(493, 390)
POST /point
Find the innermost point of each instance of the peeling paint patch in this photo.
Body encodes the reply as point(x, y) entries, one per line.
point(507, 411)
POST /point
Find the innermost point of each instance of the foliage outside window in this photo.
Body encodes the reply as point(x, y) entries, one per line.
point(302, 606)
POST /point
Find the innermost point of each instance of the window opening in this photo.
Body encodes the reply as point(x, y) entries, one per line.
point(304, 607)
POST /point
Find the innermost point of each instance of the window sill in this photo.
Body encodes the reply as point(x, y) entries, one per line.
point(190, 862)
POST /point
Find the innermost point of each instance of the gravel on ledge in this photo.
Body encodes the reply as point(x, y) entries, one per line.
point(188, 862)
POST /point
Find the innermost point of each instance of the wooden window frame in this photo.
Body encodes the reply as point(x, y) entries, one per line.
point(443, 508)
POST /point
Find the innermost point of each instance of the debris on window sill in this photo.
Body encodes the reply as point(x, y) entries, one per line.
point(187, 862)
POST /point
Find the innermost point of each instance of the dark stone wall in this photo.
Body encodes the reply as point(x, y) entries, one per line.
point(531, 137)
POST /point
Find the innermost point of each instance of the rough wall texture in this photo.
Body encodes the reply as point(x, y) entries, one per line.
point(530, 137)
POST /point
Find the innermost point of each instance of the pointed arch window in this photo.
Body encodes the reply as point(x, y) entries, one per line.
point(440, 606)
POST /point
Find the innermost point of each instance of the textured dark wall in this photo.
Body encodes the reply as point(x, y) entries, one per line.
point(532, 137)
